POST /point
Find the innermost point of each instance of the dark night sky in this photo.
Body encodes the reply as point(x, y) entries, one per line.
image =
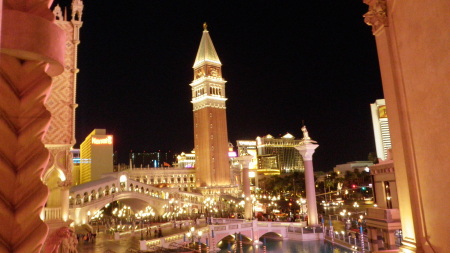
point(285, 61)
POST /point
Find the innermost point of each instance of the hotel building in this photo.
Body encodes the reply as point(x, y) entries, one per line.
point(96, 155)
point(381, 128)
point(278, 155)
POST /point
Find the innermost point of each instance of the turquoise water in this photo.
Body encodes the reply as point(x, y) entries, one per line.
point(287, 246)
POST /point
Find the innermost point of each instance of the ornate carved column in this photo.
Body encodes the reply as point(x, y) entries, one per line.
point(31, 51)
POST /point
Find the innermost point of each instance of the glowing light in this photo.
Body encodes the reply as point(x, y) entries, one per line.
point(99, 141)
point(232, 154)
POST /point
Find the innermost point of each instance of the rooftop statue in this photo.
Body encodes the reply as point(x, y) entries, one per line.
point(306, 139)
point(77, 8)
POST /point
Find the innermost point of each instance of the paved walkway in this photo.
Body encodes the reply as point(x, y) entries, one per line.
point(127, 243)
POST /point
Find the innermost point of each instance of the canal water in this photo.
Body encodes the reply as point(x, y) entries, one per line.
point(287, 246)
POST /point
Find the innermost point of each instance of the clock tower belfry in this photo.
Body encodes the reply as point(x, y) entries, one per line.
point(210, 121)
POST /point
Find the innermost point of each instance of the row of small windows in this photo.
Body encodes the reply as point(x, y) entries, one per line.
point(199, 92)
point(217, 91)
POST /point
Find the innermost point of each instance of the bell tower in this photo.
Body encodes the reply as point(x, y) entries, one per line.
point(210, 121)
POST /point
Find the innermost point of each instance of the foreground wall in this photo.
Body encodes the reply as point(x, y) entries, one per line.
point(413, 42)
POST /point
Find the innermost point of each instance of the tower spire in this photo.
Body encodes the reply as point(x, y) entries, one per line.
point(206, 52)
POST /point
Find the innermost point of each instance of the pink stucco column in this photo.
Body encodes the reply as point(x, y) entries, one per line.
point(31, 51)
point(245, 161)
point(306, 149)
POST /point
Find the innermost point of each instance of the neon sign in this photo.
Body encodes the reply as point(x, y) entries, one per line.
point(100, 141)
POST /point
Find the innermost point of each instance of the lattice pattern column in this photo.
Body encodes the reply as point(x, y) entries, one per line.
point(31, 50)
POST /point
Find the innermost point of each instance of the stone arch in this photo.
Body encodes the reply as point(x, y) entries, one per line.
point(93, 195)
point(78, 200)
point(52, 179)
point(100, 192)
point(271, 234)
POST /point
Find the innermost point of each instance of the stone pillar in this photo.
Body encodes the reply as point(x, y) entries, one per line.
point(245, 161)
point(390, 240)
point(64, 203)
point(373, 239)
point(306, 149)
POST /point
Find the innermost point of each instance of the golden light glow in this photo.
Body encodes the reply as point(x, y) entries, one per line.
point(99, 141)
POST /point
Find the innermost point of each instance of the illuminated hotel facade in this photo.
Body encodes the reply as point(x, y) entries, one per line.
point(210, 122)
point(96, 156)
point(278, 155)
point(381, 128)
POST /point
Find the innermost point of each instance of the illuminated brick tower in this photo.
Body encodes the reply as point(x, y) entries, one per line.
point(210, 121)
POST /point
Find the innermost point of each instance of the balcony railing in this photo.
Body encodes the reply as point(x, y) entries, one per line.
point(52, 213)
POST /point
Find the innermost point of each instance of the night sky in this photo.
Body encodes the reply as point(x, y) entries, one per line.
point(285, 61)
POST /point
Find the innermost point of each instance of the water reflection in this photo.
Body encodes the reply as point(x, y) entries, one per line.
point(277, 246)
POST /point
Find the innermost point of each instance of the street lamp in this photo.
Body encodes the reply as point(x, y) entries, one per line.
point(193, 234)
point(88, 215)
point(199, 241)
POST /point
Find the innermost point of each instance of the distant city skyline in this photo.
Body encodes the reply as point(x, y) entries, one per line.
point(283, 63)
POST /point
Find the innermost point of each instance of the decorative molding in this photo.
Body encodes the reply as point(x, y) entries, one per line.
point(208, 103)
point(377, 14)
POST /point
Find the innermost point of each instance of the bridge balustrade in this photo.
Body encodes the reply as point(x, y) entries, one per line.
point(110, 189)
point(52, 213)
point(90, 195)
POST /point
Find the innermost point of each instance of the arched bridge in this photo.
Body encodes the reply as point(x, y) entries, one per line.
point(249, 230)
point(92, 196)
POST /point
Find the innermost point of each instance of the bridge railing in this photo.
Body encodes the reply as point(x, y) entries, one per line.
point(52, 213)
point(346, 240)
point(91, 195)
point(305, 230)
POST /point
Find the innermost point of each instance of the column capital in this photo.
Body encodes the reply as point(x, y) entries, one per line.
point(244, 160)
point(307, 150)
point(376, 16)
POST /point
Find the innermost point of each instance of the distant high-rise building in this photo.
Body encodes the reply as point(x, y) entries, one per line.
point(96, 155)
point(186, 161)
point(278, 155)
point(152, 159)
point(210, 121)
point(381, 128)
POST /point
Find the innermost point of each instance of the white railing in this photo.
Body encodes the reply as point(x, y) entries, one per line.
point(52, 213)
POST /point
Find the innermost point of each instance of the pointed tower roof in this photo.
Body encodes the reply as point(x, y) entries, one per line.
point(206, 51)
